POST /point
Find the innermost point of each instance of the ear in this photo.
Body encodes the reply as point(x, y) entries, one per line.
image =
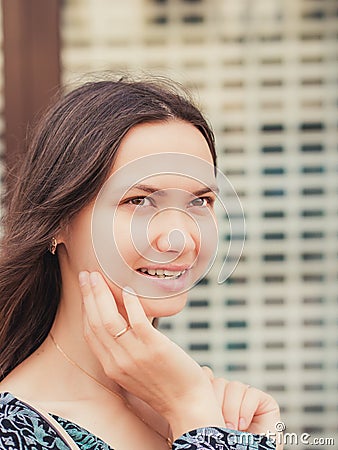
point(61, 235)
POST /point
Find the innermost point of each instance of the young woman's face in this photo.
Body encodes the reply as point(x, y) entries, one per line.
point(152, 226)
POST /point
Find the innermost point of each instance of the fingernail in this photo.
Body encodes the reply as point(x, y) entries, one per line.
point(242, 424)
point(230, 425)
point(83, 278)
point(93, 278)
point(129, 290)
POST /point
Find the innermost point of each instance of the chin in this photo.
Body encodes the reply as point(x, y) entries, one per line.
point(164, 307)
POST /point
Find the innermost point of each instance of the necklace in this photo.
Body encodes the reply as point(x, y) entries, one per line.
point(75, 364)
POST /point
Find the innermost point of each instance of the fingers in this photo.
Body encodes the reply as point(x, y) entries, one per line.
point(103, 316)
point(240, 404)
point(243, 405)
point(136, 315)
point(249, 406)
point(219, 385)
point(208, 372)
point(105, 329)
point(107, 362)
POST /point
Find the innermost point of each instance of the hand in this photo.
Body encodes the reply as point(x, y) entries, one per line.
point(144, 361)
point(244, 407)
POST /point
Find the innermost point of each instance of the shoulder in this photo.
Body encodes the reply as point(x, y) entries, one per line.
point(21, 427)
point(222, 438)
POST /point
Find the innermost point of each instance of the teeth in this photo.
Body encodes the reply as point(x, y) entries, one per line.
point(160, 273)
point(170, 272)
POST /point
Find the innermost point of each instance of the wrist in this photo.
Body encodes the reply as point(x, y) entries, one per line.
point(192, 416)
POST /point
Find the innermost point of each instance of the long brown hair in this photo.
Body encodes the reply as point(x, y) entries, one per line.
point(69, 157)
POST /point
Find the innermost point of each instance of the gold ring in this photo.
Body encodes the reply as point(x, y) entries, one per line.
point(120, 333)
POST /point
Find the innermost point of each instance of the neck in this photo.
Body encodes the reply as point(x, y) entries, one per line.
point(67, 334)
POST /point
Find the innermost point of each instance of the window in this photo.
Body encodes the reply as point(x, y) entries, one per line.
point(275, 387)
point(233, 150)
point(273, 257)
point(274, 301)
point(273, 171)
point(313, 277)
point(312, 235)
point(313, 387)
point(312, 213)
point(274, 366)
point(312, 126)
point(311, 82)
point(313, 191)
point(199, 325)
point(313, 344)
point(314, 408)
point(236, 324)
point(313, 322)
point(203, 303)
point(312, 256)
point(274, 236)
point(274, 323)
point(273, 214)
point(313, 169)
point(312, 148)
point(272, 149)
point(273, 192)
point(236, 280)
point(272, 128)
point(313, 300)
point(236, 345)
point(236, 367)
point(193, 18)
point(235, 302)
point(201, 347)
point(274, 279)
point(316, 14)
point(277, 82)
point(313, 365)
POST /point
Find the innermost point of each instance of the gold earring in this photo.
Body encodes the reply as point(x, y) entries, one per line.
point(52, 246)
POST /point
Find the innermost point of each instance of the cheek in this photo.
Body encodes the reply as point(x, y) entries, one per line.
point(124, 241)
point(78, 244)
point(207, 240)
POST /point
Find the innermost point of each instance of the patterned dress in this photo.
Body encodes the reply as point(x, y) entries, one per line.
point(23, 428)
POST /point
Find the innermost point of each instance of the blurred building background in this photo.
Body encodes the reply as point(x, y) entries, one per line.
point(265, 73)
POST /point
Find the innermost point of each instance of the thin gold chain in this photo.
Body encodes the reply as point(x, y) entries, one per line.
point(75, 364)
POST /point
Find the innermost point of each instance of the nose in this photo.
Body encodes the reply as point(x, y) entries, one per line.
point(174, 231)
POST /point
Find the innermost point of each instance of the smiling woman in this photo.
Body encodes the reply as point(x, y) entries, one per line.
point(109, 226)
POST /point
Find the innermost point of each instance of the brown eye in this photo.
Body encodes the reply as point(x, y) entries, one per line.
point(139, 201)
point(200, 201)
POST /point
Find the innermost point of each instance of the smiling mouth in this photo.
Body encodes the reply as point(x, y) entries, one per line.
point(162, 273)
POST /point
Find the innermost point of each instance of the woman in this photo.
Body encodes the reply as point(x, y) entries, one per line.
point(95, 247)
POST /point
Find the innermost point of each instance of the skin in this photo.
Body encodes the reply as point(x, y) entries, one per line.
point(160, 381)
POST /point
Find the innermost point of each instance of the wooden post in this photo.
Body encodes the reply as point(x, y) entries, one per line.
point(31, 68)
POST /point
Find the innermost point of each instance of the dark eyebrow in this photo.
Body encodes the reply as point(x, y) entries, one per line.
point(206, 190)
point(151, 189)
point(148, 188)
